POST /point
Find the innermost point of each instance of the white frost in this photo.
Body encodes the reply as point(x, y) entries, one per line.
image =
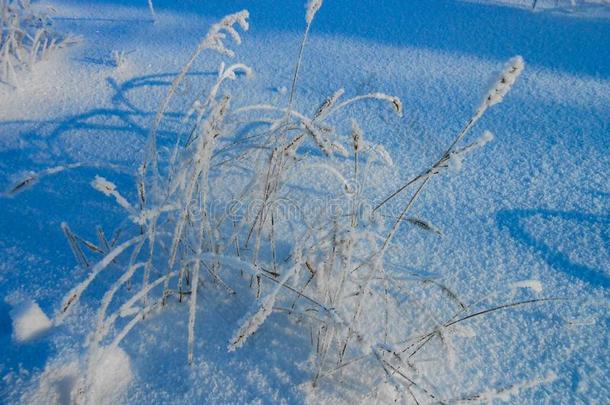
point(312, 8)
point(534, 285)
point(504, 83)
point(108, 188)
point(112, 376)
point(384, 155)
point(251, 323)
point(456, 159)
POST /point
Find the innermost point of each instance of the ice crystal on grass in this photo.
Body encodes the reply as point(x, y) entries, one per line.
point(312, 8)
point(502, 86)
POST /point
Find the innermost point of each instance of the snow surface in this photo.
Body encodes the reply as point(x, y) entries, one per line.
point(29, 321)
point(61, 382)
point(532, 205)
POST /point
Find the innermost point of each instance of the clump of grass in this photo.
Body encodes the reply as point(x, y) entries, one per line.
point(26, 37)
point(332, 274)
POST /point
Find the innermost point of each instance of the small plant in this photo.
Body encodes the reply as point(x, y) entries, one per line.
point(330, 272)
point(119, 58)
point(26, 37)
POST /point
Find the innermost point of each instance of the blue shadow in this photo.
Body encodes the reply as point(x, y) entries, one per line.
point(551, 40)
point(511, 220)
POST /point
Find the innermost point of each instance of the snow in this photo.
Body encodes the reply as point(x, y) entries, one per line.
point(508, 393)
point(527, 211)
point(112, 376)
point(58, 385)
point(29, 322)
point(62, 382)
point(534, 285)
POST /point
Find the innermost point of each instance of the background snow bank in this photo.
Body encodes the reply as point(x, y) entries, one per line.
point(547, 4)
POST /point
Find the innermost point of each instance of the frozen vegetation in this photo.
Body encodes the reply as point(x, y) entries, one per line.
point(27, 37)
point(351, 202)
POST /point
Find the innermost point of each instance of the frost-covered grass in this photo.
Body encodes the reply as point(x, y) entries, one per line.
point(26, 37)
point(341, 168)
point(226, 203)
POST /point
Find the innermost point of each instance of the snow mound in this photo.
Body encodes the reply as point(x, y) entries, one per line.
point(29, 321)
point(113, 374)
point(63, 382)
point(57, 385)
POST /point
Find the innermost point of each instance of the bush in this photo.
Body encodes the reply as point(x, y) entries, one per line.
point(228, 204)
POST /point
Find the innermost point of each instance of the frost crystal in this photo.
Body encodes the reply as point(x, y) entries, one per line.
point(251, 323)
point(108, 188)
point(504, 83)
point(312, 8)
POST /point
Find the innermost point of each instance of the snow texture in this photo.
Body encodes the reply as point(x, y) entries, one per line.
point(62, 381)
point(525, 218)
point(29, 322)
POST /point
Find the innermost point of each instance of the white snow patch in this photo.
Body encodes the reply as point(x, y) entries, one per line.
point(534, 285)
point(63, 382)
point(29, 321)
point(507, 394)
point(57, 385)
point(462, 331)
point(112, 376)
